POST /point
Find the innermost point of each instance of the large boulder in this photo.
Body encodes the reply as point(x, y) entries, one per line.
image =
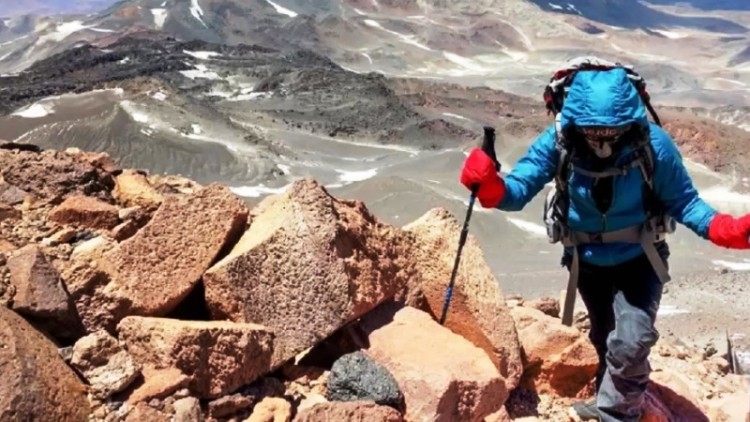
point(442, 376)
point(557, 359)
point(477, 311)
point(150, 273)
point(359, 411)
point(40, 294)
point(36, 384)
point(219, 356)
point(52, 176)
point(308, 264)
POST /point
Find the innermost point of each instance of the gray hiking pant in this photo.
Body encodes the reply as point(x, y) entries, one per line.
point(622, 302)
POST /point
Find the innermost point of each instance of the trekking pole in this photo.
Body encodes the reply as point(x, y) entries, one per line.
point(488, 146)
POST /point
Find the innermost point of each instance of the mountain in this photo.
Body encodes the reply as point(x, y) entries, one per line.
point(507, 45)
point(53, 7)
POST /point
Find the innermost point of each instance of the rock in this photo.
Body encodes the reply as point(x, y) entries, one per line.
point(105, 364)
point(125, 230)
point(54, 175)
point(220, 356)
point(143, 412)
point(308, 265)
point(310, 401)
point(64, 235)
point(100, 160)
point(158, 384)
point(271, 409)
point(664, 405)
point(355, 411)
point(36, 384)
point(40, 293)
point(357, 377)
point(11, 195)
point(229, 405)
point(170, 184)
point(150, 273)
point(499, 416)
point(557, 358)
point(734, 407)
point(436, 369)
point(478, 311)
point(547, 305)
point(187, 410)
point(6, 246)
point(85, 211)
point(132, 188)
point(7, 212)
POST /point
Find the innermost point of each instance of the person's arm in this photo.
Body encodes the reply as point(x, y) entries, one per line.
point(532, 171)
point(674, 187)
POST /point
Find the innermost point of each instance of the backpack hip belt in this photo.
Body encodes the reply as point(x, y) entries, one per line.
point(646, 234)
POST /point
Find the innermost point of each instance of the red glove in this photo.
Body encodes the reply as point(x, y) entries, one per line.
point(479, 170)
point(730, 232)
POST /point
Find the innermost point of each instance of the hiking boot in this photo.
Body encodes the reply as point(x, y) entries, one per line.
point(587, 411)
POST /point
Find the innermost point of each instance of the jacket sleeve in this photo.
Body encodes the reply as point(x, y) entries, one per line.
point(675, 189)
point(531, 172)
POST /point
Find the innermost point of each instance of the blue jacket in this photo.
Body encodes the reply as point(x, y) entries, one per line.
point(613, 101)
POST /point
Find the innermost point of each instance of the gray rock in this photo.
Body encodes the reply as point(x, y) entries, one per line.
point(355, 376)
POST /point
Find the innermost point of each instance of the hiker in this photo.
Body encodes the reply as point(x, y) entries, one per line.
point(620, 184)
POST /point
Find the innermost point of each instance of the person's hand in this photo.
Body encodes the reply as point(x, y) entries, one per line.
point(479, 170)
point(729, 232)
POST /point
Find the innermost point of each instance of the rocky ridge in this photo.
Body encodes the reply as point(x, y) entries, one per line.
point(184, 304)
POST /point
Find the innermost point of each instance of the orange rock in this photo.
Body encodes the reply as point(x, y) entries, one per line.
point(442, 376)
point(662, 404)
point(132, 188)
point(158, 384)
point(355, 411)
point(308, 265)
point(557, 358)
point(219, 356)
point(150, 273)
point(85, 211)
point(271, 409)
point(478, 311)
point(36, 384)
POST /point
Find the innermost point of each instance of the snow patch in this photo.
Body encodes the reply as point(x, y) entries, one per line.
point(669, 34)
point(367, 56)
point(160, 16)
point(409, 39)
point(101, 30)
point(200, 71)
point(282, 10)
point(256, 191)
point(134, 113)
point(196, 128)
point(555, 6)
point(456, 116)
point(285, 168)
point(62, 31)
point(197, 12)
point(735, 266)
point(203, 55)
point(160, 96)
point(356, 176)
point(250, 96)
point(529, 227)
point(34, 111)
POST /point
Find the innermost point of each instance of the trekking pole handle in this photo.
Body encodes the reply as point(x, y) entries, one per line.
point(488, 145)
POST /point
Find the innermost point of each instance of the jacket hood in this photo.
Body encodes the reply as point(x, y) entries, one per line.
point(603, 98)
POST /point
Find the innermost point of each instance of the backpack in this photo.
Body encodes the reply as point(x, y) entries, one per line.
point(657, 224)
